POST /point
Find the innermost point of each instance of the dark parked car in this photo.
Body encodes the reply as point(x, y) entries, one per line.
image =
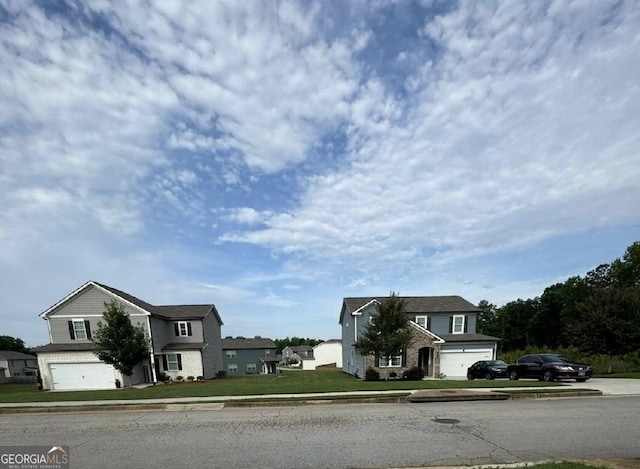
point(487, 369)
point(548, 367)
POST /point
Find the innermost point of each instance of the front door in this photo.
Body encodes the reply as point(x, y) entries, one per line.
point(425, 360)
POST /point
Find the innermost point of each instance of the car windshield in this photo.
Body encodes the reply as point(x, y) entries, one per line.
point(496, 363)
point(554, 359)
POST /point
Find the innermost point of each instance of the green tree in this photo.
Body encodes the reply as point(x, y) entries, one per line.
point(12, 343)
point(488, 320)
point(294, 342)
point(609, 322)
point(626, 271)
point(515, 320)
point(388, 334)
point(118, 342)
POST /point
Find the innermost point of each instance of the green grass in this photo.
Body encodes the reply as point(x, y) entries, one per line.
point(288, 382)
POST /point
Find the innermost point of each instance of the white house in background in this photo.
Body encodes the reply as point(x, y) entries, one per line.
point(325, 353)
point(185, 340)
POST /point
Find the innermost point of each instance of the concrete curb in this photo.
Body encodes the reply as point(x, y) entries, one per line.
point(424, 396)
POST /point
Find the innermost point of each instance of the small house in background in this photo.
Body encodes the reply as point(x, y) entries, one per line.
point(18, 367)
point(249, 356)
point(325, 354)
point(295, 355)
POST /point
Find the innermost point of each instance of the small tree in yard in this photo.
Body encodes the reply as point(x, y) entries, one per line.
point(118, 342)
point(388, 334)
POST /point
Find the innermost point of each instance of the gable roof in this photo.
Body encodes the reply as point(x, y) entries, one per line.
point(12, 355)
point(166, 312)
point(301, 348)
point(242, 343)
point(418, 304)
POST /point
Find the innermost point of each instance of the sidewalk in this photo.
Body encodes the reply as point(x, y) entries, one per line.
point(594, 387)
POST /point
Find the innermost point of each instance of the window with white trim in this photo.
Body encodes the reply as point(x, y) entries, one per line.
point(458, 324)
point(183, 328)
point(231, 353)
point(79, 331)
point(267, 353)
point(422, 321)
point(172, 362)
point(232, 368)
point(391, 362)
point(251, 368)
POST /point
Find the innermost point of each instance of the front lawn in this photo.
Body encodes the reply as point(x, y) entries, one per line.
point(287, 382)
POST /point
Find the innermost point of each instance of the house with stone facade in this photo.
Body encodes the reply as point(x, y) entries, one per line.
point(445, 342)
point(185, 340)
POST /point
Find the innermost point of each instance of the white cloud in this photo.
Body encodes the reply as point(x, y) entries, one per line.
point(502, 145)
point(272, 156)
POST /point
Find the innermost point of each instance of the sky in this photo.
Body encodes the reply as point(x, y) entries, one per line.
point(275, 157)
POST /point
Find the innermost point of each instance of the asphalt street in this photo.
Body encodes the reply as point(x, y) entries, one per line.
point(340, 436)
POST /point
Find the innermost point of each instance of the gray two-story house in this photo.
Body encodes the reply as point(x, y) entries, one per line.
point(249, 356)
point(185, 340)
point(445, 342)
point(294, 355)
point(17, 366)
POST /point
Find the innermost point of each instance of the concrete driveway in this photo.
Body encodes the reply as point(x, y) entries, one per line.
point(610, 386)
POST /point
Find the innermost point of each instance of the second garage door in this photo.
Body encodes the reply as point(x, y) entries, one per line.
point(67, 376)
point(455, 363)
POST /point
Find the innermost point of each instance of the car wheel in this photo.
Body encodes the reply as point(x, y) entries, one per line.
point(489, 375)
point(581, 380)
point(548, 376)
point(513, 376)
point(469, 376)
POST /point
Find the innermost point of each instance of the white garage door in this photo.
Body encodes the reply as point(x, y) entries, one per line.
point(455, 363)
point(67, 376)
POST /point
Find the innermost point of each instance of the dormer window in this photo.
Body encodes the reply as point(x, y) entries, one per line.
point(183, 328)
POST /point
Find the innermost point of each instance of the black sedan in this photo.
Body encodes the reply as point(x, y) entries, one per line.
point(549, 367)
point(487, 369)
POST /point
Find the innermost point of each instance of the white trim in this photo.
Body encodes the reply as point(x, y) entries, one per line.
point(96, 315)
point(186, 328)
point(46, 313)
point(437, 339)
point(152, 356)
point(177, 362)
point(358, 312)
point(355, 328)
point(453, 323)
point(426, 320)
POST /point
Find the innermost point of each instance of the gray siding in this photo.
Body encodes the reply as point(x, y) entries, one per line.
point(16, 367)
point(244, 357)
point(212, 354)
point(440, 322)
point(164, 333)
point(353, 362)
point(88, 305)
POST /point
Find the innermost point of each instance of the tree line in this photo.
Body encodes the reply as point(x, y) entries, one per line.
point(598, 313)
point(294, 342)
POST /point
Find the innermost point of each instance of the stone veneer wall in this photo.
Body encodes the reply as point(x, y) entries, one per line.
point(420, 340)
